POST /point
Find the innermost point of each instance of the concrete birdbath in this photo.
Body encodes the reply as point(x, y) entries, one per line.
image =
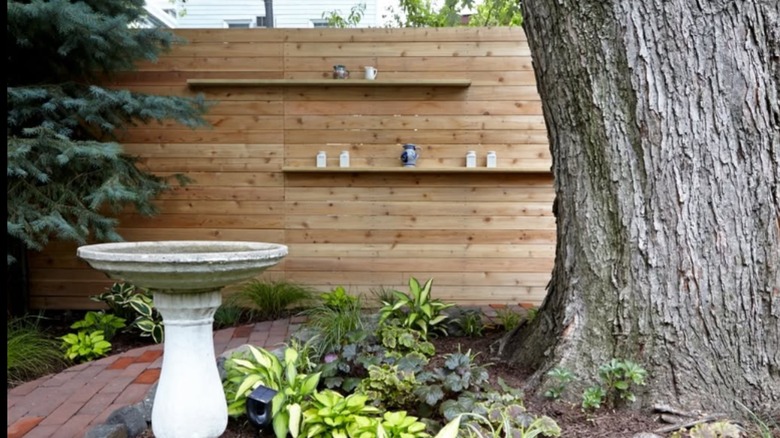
point(186, 278)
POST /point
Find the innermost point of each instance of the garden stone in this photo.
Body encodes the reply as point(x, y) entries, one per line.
point(107, 431)
point(132, 417)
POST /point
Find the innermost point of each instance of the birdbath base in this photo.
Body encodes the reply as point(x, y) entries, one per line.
point(189, 400)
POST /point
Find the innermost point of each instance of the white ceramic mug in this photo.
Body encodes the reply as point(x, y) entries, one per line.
point(370, 72)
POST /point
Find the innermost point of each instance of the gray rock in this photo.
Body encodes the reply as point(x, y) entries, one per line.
point(132, 417)
point(148, 403)
point(107, 431)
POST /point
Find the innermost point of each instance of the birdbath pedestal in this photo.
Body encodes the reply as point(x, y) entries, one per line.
point(186, 278)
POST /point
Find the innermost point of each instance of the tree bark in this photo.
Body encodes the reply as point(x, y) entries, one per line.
point(664, 127)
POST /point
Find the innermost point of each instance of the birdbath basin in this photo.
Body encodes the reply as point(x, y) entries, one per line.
point(185, 278)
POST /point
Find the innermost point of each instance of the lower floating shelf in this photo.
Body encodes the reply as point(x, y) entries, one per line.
point(412, 170)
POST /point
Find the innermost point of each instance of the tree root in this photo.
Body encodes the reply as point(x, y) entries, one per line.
point(682, 419)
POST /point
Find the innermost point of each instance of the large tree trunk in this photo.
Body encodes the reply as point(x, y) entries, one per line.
point(664, 126)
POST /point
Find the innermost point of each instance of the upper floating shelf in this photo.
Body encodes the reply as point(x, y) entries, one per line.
point(201, 83)
point(400, 169)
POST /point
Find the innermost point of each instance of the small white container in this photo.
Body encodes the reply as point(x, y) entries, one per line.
point(471, 159)
point(322, 159)
point(344, 159)
point(491, 159)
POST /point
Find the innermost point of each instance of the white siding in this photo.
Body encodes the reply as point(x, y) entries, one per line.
point(202, 14)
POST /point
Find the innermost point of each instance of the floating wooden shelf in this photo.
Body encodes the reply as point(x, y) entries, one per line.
point(201, 83)
point(439, 170)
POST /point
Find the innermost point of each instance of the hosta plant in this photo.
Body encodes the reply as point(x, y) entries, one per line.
point(105, 322)
point(400, 425)
point(85, 346)
point(261, 367)
point(329, 414)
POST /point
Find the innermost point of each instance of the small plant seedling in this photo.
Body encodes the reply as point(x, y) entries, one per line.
point(560, 379)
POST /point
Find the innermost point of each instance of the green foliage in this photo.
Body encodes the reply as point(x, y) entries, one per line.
point(30, 352)
point(383, 294)
point(470, 323)
point(617, 378)
point(85, 346)
point(496, 13)
point(401, 341)
point(330, 414)
point(107, 323)
point(507, 318)
point(400, 425)
point(149, 321)
point(338, 298)
point(131, 303)
point(459, 374)
point(228, 315)
point(389, 386)
point(593, 398)
point(332, 323)
point(496, 414)
point(422, 13)
point(245, 372)
point(118, 298)
point(66, 176)
point(559, 379)
point(389, 344)
point(336, 19)
point(416, 309)
point(269, 300)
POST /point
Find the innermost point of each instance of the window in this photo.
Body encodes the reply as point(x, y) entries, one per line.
point(319, 22)
point(239, 24)
point(260, 22)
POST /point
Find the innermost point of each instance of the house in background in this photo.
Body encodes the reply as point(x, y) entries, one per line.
point(204, 14)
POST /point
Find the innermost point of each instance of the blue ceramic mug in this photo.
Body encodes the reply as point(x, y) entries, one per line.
point(410, 155)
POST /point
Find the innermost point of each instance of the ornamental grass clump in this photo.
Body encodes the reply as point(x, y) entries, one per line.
point(30, 352)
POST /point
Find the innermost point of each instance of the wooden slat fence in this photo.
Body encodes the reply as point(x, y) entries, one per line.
point(484, 237)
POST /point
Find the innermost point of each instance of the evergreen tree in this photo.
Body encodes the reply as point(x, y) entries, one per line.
point(67, 176)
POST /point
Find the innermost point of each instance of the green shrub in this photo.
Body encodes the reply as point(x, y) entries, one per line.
point(268, 300)
point(30, 352)
point(416, 309)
